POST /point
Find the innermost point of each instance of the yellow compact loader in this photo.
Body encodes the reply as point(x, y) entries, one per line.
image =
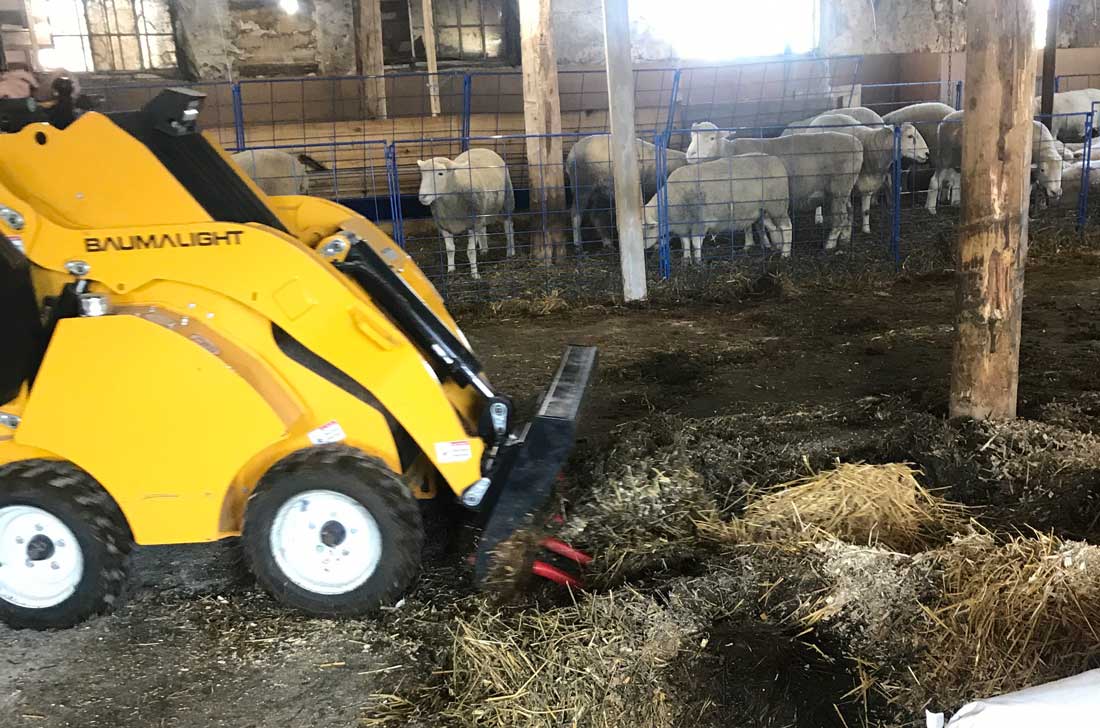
point(186, 360)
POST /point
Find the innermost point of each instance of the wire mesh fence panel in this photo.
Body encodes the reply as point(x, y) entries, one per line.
point(495, 101)
point(764, 94)
point(353, 173)
point(794, 198)
point(351, 108)
point(216, 116)
point(486, 226)
point(930, 208)
point(1076, 81)
point(1058, 170)
point(885, 98)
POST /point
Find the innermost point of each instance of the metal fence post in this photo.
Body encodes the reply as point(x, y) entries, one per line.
point(672, 105)
point(467, 103)
point(238, 115)
point(1057, 84)
point(958, 95)
point(394, 184)
point(895, 220)
point(664, 256)
point(1083, 202)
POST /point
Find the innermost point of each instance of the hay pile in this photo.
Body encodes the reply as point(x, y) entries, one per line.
point(860, 504)
point(646, 497)
point(596, 663)
point(1011, 614)
point(729, 546)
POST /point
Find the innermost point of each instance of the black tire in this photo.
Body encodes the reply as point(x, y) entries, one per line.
point(366, 481)
point(74, 498)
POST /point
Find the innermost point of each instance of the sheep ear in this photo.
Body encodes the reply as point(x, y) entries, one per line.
point(421, 163)
point(695, 126)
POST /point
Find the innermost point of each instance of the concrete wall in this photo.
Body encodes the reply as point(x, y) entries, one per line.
point(254, 37)
point(937, 26)
point(578, 36)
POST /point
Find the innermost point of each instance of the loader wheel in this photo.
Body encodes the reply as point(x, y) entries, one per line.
point(63, 546)
point(333, 532)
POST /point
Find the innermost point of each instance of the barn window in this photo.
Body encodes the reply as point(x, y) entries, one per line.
point(104, 35)
point(709, 31)
point(465, 30)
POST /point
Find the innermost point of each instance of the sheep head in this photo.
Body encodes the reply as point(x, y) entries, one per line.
point(706, 142)
point(913, 144)
point(435, 178)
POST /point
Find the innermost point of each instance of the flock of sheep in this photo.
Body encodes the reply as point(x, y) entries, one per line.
point(729, 183)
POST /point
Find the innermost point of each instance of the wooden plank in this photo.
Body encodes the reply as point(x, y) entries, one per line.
point(32, 52)
point(348, 161)
point(624, 155)
point(542, 124)
point(429, 51)
point(997, 135)
point(1050, 56)
point(370, 56)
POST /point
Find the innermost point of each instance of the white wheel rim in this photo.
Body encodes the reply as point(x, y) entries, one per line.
point(41, 563)
point(326, 542)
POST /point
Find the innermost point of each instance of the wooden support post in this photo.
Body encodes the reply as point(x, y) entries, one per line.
point(429, 52)
point(542, 117)
point(996, 155)
point(624, 152)
point(370, 55)
point(1050, 54)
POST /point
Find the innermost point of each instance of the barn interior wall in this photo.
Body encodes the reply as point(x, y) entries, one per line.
point(246, 38)
point(929, 26)
point(222, 38)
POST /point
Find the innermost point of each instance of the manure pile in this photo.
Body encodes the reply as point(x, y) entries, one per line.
point(817, 568)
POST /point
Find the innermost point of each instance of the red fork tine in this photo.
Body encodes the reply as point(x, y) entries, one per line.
point(564, 550)
point(554, 574)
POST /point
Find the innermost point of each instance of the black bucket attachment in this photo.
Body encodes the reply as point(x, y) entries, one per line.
point(526, 471)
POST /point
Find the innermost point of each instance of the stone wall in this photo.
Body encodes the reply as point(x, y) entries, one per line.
point(938, 26)
point(254, 37)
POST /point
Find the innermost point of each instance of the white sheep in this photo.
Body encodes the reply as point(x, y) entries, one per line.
point(822, 168)
point(589, 168)
point(926, 117)
point(861, 114)
point(727, 194)
point(1045, 158)
point(277, 172)
point(878, 153)
point(1070, 107)
point(1076, 150)
point(463, 194)
point(1072, 173)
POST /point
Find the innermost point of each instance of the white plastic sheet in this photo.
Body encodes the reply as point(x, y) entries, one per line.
point(1070, 703)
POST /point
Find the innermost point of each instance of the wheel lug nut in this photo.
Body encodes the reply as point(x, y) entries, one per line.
point(54, 566)
point(30, 564)
point(38, 527)
point(320, 548)
point(19, 540)
point(346, 552)
point(60, 543)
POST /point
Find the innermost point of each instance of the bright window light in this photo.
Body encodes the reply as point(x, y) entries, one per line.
point(716, 30)
point(1041, 8)
point(290, 7)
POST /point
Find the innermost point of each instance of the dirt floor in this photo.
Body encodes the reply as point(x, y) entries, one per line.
point(802, 374)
